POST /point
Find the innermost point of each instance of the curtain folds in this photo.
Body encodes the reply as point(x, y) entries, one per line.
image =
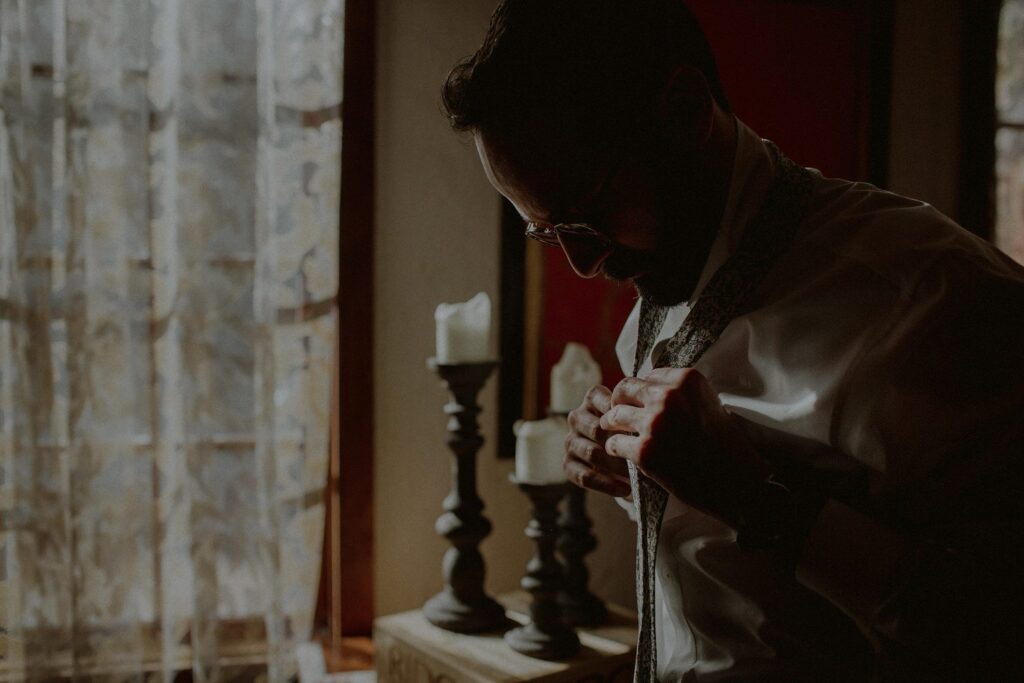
point(169, 188)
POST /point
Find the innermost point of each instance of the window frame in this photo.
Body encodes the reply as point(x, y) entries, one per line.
point(978, 121)
point(345, 597)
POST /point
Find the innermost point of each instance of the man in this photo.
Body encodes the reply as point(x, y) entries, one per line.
point(823, 433)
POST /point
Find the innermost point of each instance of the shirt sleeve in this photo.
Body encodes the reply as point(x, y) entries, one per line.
point(943, 601)
point(921, 564)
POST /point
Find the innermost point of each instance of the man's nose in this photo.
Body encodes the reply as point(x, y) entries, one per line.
point(585, 255)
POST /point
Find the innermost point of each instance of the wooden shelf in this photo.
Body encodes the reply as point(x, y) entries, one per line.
point(409, 648)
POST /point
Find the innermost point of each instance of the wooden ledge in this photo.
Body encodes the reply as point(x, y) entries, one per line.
point(409, 648)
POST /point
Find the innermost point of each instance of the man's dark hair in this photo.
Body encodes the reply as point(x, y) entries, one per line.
point(579, 65)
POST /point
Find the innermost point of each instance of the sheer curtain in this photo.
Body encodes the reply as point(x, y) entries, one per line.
point(169, 187)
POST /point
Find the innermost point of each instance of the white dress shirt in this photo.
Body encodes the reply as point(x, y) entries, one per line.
point(889, 342)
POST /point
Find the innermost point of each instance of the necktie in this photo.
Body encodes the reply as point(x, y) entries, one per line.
point(727, 295)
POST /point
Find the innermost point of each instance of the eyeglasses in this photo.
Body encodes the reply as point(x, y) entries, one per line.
point(549, 234)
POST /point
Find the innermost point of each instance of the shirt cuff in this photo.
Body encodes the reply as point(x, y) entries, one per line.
point(851, 560)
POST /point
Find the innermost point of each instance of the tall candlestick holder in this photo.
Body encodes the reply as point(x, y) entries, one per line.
point(462, 605)
point(547, 635)
point(575, 542)
point(580, 606)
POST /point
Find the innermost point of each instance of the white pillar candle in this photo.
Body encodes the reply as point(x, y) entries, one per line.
point(540, 449)
point(463, 330)
point(572, 377)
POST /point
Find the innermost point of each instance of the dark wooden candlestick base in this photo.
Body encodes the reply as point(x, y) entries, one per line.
point(462, 605)
point(580, 606)
point(547, 636)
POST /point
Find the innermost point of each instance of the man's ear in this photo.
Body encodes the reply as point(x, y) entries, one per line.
point(685, 108)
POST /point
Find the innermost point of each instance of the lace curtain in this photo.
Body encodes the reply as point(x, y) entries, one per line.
point(169, 187)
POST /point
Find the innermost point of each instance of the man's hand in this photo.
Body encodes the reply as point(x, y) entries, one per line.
point(672, 425)
point(586, 463)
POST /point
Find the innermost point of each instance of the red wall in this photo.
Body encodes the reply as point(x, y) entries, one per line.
point(796, 73)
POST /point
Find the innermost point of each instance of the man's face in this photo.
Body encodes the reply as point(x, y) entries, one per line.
point(640, 196)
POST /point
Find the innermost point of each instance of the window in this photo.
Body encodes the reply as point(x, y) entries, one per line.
point(1009, 218)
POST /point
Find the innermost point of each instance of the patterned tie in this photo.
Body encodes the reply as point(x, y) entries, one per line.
point(726, 296)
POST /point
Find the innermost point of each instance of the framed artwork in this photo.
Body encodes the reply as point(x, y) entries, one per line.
point(811, 75)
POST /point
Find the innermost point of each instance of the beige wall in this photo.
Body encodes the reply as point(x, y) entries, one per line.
point(437, 240)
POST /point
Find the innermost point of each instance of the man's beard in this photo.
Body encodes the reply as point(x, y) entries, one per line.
point(668, 273)
point(665, 276)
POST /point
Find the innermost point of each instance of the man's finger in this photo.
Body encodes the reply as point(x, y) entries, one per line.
point(586, 423)
point(624, 418)
point(593, 454)
point(623, 446)
point(630, 391)
point(599, 398)
point(584, 476)
point(671, 376)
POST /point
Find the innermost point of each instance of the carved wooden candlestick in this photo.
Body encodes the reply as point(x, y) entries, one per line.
point(547, 636)
point(579, 605)
point(462, 605)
